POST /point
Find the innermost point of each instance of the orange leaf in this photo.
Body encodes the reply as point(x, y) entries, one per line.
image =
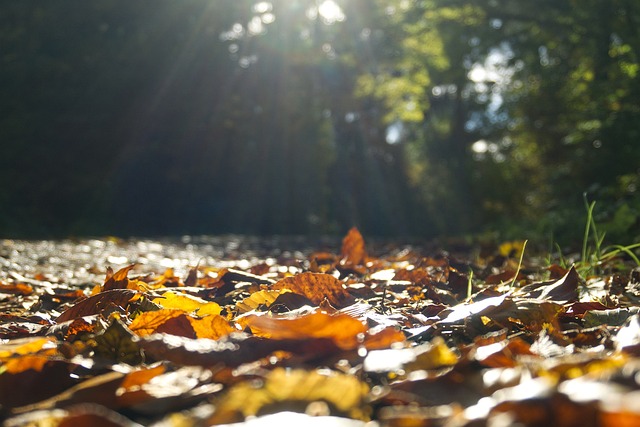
point(16, 288)
point(213, 327)
point(130, 391)
point(148, 322)
point(23, 363)
point(383, 339)
point(353, 251)
point(317, 287)
point(341, 328)
point(21, 347)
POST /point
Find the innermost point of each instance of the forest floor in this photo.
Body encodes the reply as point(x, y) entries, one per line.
point(256, 332)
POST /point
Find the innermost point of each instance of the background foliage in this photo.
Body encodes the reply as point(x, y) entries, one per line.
point(299, 117)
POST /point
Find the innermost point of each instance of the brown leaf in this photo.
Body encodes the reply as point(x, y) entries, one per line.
point(192, 277)
point(353, 251)
point(504, 277)
point(97, 303)
point(80, 415)
point(112, 390)
point(28, 379)
point(502, 354)
point(317, 287)
point(563, 290)
point(231, 350)
point(180, 326)
point(118, 280)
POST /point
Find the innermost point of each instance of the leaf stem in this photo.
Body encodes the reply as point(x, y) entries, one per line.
point(515, 277)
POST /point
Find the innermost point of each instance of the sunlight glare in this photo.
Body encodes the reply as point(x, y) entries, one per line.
point(330, 12)
point(262, 7)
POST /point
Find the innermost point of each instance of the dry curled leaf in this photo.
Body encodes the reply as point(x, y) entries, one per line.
point(317, 287)
point(95, 304)
point(353, 250)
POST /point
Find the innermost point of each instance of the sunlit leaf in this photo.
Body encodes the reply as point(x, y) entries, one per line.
point(148, 322)
point(187, 303)
point(628, 337)
point(260, 298)
point(95, 304)
point(117, 280)
point(563, 290)
point(344, 393)
point(317, 287)
point(482, 307)
point(502, 354)
point(511, 249)
point(213, 327)
point(423, 357)
point(344, 330)
point(612, 317)
point(16, 288)
point(24, 346)
point(353, 250)
point(383, 339)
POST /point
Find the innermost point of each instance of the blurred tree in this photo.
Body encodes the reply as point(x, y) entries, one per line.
point(311, 116)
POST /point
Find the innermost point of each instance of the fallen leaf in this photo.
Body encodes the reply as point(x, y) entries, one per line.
point(295, 388)
point(317, 287)
point(25, 346)
point(232, 350)
point(95, 304)
point(16, 288)
point(30, 378)
point(187, 303)
point(344, 330)
point(117, 280)
point(118, 344)
point(353, 250)
point(213, 327)
point(263, 297)
point(426, 356)
point(148, 322)
point(611, 317)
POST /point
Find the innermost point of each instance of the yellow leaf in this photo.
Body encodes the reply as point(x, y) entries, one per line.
point(344, 392)
point(263, 297)
point(213, 327)
point(188, 304)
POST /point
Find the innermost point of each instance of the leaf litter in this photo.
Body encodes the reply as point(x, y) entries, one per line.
point(231, 332)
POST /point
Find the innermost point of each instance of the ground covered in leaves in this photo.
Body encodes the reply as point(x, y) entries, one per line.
point(227, 331)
